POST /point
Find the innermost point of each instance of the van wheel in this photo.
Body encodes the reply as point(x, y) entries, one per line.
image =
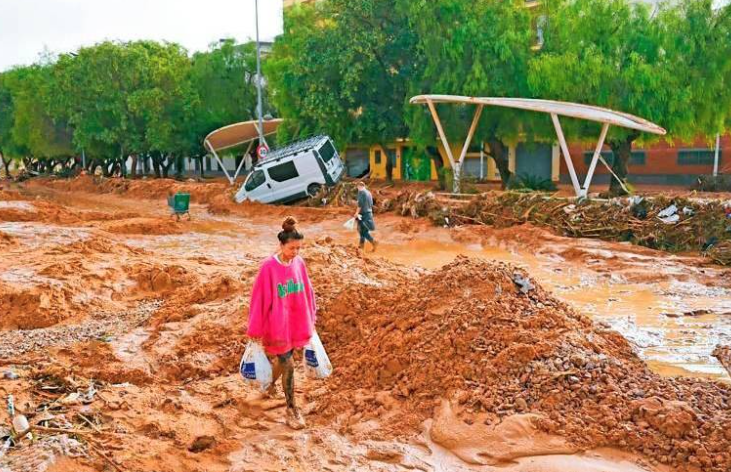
point(313, 189)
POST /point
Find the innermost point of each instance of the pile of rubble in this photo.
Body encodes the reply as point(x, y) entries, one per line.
point(476, 332)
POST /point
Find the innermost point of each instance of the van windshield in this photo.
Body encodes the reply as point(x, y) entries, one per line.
point(327, 151)
point(255, 180)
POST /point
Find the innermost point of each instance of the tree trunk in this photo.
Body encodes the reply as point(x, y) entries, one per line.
point(179, 165)
point(201, 170)
point(133, 167)
point(156, 158)
point(107, 167)
point(622, 150)
point(501, 154)
point(436, 157)
point(166, 164)
point(6, 165)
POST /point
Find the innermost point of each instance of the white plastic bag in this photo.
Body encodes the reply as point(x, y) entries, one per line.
point(255, 366)
point(317, 364)
point(350, 224)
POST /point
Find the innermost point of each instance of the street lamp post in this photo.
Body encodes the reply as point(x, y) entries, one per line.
point(258, 76)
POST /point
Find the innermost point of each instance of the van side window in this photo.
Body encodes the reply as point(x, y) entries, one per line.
point(256, 179)
point(282, 172)
point(327, 151)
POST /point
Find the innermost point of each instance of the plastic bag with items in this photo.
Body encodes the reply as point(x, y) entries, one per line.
point(317, 364)
point(350, 224)
point(255, 367)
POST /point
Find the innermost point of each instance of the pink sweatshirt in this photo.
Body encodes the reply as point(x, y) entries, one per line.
point(282, 310)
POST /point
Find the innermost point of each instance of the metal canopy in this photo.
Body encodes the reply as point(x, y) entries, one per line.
point(555, 108)
point(235, 135)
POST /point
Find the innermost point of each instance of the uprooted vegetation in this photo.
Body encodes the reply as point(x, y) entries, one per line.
point(692, 225)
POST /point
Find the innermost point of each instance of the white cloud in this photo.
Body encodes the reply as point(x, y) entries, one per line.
point(27, 27)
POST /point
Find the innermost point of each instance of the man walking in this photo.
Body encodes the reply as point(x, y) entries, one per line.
point(364, 216)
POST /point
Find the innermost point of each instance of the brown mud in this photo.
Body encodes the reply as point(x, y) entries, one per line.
point(125, 328)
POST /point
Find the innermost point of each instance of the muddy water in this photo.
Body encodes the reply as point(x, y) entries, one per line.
point(662, 304)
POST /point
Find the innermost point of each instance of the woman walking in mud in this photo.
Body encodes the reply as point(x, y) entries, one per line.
point(282, 311)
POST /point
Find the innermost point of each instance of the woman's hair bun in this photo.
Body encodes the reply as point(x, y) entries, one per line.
point(289, 224)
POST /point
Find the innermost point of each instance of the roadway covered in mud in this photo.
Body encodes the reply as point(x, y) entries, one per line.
point(125, 328)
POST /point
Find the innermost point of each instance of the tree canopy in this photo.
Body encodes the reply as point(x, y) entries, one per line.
point(668, 68)
point(347, 68)
point(113, 100)
point(343, 68)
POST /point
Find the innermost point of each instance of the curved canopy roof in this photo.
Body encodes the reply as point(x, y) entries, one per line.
point(240, 133)
point(573, 110)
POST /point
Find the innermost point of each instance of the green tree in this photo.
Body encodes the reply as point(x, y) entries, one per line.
point(617, 55)
point(343, 68)
point(127, 100)
point(479, 48)
point(45, 140)
point(223, 81)
point(9, 149)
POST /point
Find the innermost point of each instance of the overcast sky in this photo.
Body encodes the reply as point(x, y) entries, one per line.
point(27, 27)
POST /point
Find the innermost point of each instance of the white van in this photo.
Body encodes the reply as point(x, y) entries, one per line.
point(293, 172)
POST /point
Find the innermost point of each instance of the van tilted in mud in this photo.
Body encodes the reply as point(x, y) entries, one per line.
point(293, 172)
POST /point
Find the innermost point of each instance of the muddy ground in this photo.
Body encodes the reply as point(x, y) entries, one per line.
point(124, 328)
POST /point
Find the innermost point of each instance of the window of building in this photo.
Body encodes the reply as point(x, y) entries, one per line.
point(638, 158)
point(283, 172)
point(377, 157)
point(696, 157)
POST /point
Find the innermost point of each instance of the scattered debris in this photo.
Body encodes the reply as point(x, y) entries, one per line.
point(723, 354)
point(202, 443)
point(652, 222)
point(522, 282)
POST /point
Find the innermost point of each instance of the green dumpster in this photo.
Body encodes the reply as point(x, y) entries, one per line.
point(179, 204)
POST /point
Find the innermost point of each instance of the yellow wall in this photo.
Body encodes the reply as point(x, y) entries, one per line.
point(378, 171)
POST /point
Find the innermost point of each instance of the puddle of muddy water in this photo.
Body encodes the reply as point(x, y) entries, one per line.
point(34, 235)
point(16, 205)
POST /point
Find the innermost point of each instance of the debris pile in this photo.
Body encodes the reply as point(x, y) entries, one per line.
point(58, 416)
point(341, 194)
point(676, 225)
point(469, 332)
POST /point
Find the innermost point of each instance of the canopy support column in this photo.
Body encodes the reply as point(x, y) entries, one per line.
point(470, 134)
point(566, 155)
point(241, 164)
point(456, 165)
point(442, 136)
point(218, 159)
point(595, 160)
